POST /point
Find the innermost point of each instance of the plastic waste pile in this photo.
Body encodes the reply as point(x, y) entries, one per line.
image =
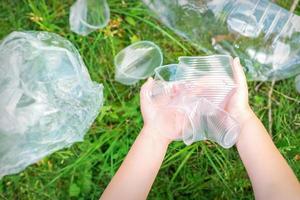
point(48, 100)
point(196, 91)
point(265, 36)
point(87, 16)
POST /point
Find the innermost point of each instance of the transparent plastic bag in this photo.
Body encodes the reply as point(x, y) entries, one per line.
point(137, 62)
point(196, 91)
point(87, 16)
point(48, 100)
point(265, 36)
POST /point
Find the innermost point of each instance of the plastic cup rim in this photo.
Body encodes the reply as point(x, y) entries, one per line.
point(206, 57)
point(226, 145)
point(85, 23)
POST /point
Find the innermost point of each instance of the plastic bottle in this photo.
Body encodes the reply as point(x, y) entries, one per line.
point(297, 83)
point(265, 36)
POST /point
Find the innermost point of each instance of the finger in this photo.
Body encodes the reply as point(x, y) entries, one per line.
point(239, 75)
point(146, 88)
point(147, 84)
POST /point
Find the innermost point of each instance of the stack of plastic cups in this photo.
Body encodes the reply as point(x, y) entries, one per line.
point(197, 90)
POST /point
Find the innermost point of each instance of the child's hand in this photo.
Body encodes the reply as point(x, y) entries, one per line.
point(169, 122)
point(164, 121)
point(238, 105)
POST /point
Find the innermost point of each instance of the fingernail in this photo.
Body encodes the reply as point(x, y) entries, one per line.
point(237, 60)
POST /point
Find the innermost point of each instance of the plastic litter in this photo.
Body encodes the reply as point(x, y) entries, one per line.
point(137, 62)
point(265, 36)
point(87, 16)
point(196, 91)
point(48, 100)
point(297, 83)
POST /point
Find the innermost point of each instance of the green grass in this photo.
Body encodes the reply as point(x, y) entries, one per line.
point(200, 171)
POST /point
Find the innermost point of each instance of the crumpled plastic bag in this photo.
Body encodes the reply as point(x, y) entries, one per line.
point(265, 36)
point(87, 16)
point(196, 92)
point(48, 100)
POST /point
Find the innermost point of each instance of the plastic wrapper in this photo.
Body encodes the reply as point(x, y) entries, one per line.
point(137, 62)
point(297, 83)
point(48, 100)
point(265, 36)
point(196, 91)
point(87, 16)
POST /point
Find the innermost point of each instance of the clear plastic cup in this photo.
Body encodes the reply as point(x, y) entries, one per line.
point(210, 77)
point(137, 62)
point(206, 121)
point(87, 16)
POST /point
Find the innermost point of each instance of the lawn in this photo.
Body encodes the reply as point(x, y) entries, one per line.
point(203, 170)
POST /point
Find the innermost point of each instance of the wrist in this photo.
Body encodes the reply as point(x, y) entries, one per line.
point(245, 116)
point(153, 134)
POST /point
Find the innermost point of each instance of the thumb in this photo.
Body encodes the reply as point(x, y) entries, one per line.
point(239, 75)
point(147, 87)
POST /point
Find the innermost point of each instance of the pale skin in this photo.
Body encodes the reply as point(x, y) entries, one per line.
point(270, 174)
